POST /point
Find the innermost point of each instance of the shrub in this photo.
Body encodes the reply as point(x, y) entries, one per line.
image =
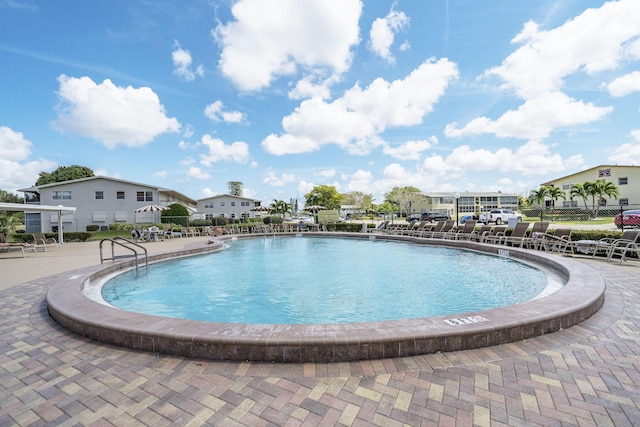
point(93, 227)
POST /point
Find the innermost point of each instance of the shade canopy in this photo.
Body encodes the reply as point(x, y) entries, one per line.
point(314, 208)
point(260, 209)
point(23, 207)
point(151, 208)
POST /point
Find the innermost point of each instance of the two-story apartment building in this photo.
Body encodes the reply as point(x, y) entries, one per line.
point(626, 178)
point(228, 206)
point(98, 201)
point(467, 202)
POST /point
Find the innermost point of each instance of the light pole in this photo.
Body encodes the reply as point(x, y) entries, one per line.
point(457, 196)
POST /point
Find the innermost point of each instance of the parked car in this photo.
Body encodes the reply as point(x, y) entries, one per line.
point(500, 216)
point(414, 217)
point(434, 216)
point(628, 219)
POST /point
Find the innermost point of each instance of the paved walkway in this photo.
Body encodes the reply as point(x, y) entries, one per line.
point(586, 375)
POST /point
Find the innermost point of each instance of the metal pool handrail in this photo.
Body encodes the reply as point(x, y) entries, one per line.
point(128, 245)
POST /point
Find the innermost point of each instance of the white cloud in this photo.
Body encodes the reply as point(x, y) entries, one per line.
point(532, 158)
point(579, 45)
point(410, 150)
point(628, 153)
point(274, 180)
point(207, 192)
point(304, 187)
point(311, 87)
point(535, 119)
point(219, 151)
point(217, 113)
point(197, 173)
point(15, 170)
point(160, 174)
point(327, 173)
point(260, 45)
point(182, 63)
point(13, 145)
point(383, 32)
point(360, 115)
point(111, 114)
point(187, 161)
point(625, 85)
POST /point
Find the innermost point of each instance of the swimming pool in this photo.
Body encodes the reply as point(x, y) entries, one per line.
point(73, 303)
point(292, 280)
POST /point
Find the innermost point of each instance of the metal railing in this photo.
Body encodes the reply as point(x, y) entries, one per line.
point(129, 245)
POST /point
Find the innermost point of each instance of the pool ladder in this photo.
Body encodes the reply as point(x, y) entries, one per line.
point(127, 244)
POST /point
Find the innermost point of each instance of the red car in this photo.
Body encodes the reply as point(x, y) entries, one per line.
point(628, 218)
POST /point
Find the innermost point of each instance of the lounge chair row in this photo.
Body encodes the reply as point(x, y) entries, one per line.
point(522, 236)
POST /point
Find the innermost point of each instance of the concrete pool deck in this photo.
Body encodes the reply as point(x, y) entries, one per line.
point(584, 375)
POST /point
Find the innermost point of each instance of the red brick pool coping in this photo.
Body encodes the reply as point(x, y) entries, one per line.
point(578, 299)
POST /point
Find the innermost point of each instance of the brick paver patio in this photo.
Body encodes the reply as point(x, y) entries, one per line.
point(586, 375)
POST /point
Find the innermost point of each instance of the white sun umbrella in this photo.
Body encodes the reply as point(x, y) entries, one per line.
point(152, 209)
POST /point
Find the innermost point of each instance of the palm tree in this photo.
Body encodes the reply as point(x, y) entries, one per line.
point(538, 196)
point(605, 188)
point(555, 193)
point(280, 207)
point(578, 190)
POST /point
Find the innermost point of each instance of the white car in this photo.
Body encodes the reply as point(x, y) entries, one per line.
point(500, 216)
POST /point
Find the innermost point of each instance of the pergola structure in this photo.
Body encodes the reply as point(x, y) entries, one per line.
point(21, 207)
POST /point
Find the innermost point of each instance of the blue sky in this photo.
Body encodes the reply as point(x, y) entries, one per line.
point(282, 95)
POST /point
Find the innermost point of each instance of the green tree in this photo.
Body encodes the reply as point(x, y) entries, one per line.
point(177, 214)
point(602, 188)
point(403, 197)
point(235, 188)
point(578, 190)
point(64, 173)
point(555, 193)
point(323, 195)
point(362, 201)
point(387, 208)
point(6, 197)
point(537, 197)
point(280, 207)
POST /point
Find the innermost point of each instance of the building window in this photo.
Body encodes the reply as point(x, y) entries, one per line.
point(566, 187)
point(622, 180)
point(208, 205)
point(144, 196)
point(120, 195)
point(222, 204)
point(61, 195)
point(99, 195)
point(233, 203)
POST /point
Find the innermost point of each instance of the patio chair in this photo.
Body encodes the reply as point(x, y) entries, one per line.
point(558, 241)
point(42, 241)
point(463, 233)
point(518, 235)
point(435, 229)
point(15, 246)
point(447, 227)
point(496, 235)
point(532, 240)
point(479, 234)
point(413, 227)
point(607, 246)
point(623, 247)
point(381, 227)
point(420, 229)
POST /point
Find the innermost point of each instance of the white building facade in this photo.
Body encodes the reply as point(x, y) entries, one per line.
point(98, 201)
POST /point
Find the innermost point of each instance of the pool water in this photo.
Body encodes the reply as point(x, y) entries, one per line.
point(303, 280)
